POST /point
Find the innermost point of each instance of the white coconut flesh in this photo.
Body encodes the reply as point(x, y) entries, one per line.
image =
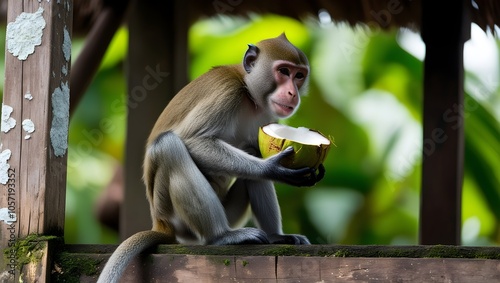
point(300, 135)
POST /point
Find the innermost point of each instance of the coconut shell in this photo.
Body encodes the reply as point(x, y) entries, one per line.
point(305, 155)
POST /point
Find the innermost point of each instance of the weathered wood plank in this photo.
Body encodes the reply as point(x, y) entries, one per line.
point(420, 251)
point(172, 268)
point(11, 150)
point(36, 96)
point(293, 268)
point(315, 263)
point(255, 268)
point(40, 254)
point(209, 268)
point(40, 172)
point(409, 270)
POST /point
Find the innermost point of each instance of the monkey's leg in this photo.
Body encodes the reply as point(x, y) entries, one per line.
point(193, 200)
point(236, 204)
point(266, 211)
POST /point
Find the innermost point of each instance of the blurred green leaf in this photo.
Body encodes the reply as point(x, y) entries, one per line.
point(475, 206)
point(331, 210)
point(209, 48)
point(386, 66)
point(482, 152)
point(346, 164)
point(117, 49)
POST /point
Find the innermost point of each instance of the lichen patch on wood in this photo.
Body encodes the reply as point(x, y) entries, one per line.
point(28, 127)
point(60, 120)
point(8, 122)
point(4, 166)
point(28, 96)
point(7, 216)
point(25, 33)
point(66, 46)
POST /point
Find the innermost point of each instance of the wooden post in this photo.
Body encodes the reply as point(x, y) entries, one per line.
point(442, 171)
point(157, 46)
point(35, 116)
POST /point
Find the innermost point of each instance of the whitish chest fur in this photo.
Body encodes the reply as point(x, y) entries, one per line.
point(242, 133)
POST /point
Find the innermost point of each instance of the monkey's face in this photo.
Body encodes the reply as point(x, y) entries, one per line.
point(276, 72)
point(289, 79)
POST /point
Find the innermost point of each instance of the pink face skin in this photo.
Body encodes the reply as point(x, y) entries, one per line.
point(289, 78)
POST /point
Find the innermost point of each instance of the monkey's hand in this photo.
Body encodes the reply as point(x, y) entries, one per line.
point(303, 177)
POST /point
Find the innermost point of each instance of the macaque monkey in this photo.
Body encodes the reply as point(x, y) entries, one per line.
point(203, 172)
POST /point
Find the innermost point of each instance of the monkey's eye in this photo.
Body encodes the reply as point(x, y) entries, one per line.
point(300, 76)
point(284, 71)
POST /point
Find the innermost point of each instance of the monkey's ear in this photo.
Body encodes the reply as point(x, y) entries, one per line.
point(250, 57)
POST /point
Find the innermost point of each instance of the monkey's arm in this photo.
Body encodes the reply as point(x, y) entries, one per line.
point(213, 155)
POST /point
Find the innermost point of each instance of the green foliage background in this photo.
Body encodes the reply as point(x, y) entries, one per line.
point(365, 91)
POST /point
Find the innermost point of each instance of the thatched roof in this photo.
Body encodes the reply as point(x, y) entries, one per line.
point(384, 13)
point(406, 13)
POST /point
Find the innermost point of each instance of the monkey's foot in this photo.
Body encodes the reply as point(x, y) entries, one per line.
point(242, 236)
point(291, 239)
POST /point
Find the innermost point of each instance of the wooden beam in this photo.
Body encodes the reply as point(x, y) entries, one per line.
point(156, 69)
point(192, 268)
point(443, 137)
point(96, 44)
point(35, 117)
point(308, 263)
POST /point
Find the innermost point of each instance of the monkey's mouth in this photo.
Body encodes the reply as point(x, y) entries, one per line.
point(282, 109)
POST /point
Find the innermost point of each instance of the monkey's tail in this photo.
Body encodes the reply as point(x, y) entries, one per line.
point(127, 250)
